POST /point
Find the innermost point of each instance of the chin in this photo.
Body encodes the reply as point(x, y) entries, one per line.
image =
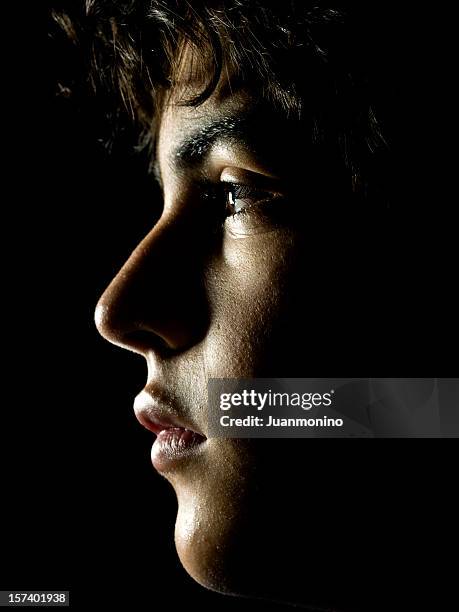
point(201, 540)
point(210, 532)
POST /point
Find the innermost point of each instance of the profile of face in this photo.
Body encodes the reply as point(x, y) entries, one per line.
point(236, 280)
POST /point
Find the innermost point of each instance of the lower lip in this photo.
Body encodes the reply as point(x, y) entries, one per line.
point(173, 445)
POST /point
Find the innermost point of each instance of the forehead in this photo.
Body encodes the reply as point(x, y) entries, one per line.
point(243, 102)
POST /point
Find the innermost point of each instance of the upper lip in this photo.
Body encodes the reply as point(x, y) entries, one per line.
point(156, 411)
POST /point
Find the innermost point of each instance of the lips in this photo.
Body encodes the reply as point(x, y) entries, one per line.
point(176, 436)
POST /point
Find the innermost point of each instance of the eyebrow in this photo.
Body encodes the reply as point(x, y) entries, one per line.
point(261, 131)
point(197, 145)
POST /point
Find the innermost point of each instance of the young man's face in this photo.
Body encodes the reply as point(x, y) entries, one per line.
point(228, 283)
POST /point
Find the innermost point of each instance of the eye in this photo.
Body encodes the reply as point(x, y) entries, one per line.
point(240, 198)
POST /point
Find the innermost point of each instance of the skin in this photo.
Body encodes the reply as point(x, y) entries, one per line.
point(207, 296)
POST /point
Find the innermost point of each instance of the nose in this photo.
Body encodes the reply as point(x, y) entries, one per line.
point(157, 300)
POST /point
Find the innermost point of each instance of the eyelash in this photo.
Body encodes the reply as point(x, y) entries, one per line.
point(241, 192)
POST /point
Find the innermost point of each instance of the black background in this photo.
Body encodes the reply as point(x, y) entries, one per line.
point(81, 507)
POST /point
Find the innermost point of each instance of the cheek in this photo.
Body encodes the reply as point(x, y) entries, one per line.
point(249, 285)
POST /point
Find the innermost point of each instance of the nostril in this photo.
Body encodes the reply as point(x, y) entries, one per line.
point(144, 340)
point(119, 329)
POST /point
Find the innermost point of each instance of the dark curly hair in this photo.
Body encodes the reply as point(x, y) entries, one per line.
point(308, 59)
